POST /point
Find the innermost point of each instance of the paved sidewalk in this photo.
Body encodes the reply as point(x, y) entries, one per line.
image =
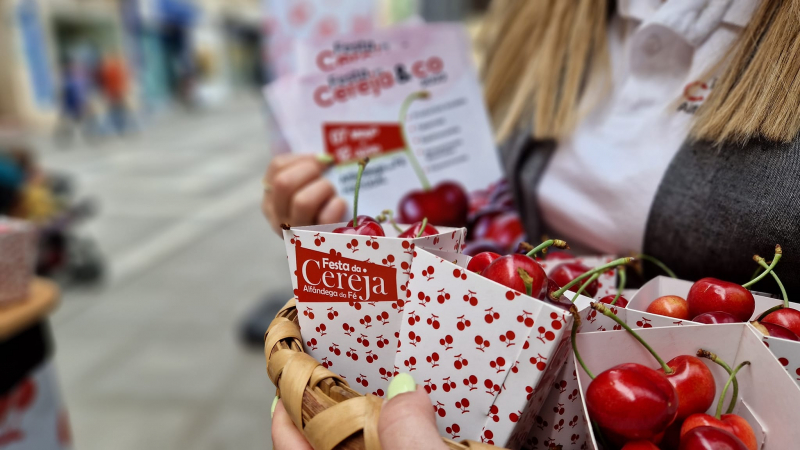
point(151, 359)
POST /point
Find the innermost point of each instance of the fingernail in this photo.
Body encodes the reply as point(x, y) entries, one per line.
point(324, 158)
point(401, 384)
point(274, 404)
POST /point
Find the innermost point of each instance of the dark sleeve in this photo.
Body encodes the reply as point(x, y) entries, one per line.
point(524, 161)
point(717, 207)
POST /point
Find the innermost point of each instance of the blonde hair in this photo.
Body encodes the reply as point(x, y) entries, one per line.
point(542, 54)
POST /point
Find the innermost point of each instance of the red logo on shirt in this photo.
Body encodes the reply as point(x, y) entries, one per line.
point(694, 94)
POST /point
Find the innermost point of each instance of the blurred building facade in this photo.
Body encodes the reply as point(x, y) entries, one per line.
point(174, 50)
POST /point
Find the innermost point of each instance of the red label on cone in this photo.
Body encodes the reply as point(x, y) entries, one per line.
point(325, 277)
point(352, 141)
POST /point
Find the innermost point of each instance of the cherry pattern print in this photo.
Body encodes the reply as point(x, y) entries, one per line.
point(470, 346)
point(359, 339)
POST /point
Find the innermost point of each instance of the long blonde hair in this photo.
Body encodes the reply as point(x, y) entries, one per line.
point(542, 54)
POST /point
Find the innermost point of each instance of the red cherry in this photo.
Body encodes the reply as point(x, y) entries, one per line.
point(710, 438)
point(413, 231)
point(711, 294)
point(640, 445)
point(632, 401)
point(713, 317)
point(564, 273)
point(361, 220)
point(446, 205)
point(670, 306)
point(694, 384)
point(786, 317)
point(771, 329)
point(481, 261)
point(622, 302)
point(504, 271)
point(365, 229)
point(505, 229)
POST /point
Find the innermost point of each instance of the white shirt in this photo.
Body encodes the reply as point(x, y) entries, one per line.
point(600, 183)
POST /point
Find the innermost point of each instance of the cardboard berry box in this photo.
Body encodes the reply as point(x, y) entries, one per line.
point(788, 352)
point(768, 396)
point(349, 290)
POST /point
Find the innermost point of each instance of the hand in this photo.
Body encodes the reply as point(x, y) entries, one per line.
point(296, 193)
point(406, 421)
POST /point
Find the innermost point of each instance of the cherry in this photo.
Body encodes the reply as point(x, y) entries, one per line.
point(694, 384)
point(360, 225)
point(640, 445)
point(715, 317)
point(505, 229)
point(563, 273)
point(506, 271)
point(710, 438)
point(446, 204)
point(479, 223)
point(481, 261)
point(419, 229)
point(622, 302)
point(476, 247)
point(632, 401)
point(771, 329)
point(727, 422)
point(711, 294)
point(782, 315)
point(670, 306)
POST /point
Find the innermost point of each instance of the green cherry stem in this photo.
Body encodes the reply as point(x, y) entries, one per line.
point(718, 415)
point(558, 243)
point(419, 95)
point(775, 259)
point(576, 323)
point(622, 279)
point(585, 285)
point(526, 280)
point(657, 262)
point(422, 228)
point(361, 165)
point(763, 264)
point(603, 309)
point(386, 214)
point(713, 357)
point(600, 269)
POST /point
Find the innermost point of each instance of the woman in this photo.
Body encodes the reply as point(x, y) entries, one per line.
point(666, 127)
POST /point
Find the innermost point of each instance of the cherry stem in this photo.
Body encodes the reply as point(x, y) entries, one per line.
point(387, 213)
point(325, 158)
point(622, 279)
point(422, 228)
point(600, 269)
point(576, 323)
point(423, 179)
point(718, 415)
point(585, 285)
point(603, 309)
point(558, 243)
point(777, 280)
point(657, 262)
point(713, 357)
point(361, 165)
point(775, 259)
point(526, 280)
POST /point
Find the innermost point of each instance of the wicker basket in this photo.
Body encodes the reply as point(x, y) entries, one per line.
point(319, 402)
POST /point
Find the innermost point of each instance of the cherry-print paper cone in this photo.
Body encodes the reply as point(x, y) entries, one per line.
point(17, 259)
point(350, 295)
point(478, 348)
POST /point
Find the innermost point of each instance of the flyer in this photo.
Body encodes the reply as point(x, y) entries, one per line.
point(417, 113)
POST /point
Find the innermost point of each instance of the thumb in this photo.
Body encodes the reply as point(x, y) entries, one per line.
point(407, 419)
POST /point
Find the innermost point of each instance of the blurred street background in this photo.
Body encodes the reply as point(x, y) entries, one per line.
point(134, 134)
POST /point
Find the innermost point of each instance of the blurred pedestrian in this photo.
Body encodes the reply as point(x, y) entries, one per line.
point(75, 120)
point(113, 80)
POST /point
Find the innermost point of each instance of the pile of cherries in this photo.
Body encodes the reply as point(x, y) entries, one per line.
point(368, 226)
point(634, 407)
point(494, 224)
point(713, 301)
